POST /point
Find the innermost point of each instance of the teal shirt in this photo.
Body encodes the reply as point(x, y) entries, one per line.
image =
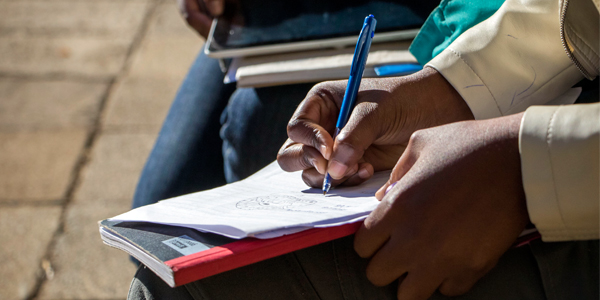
point(449, 20)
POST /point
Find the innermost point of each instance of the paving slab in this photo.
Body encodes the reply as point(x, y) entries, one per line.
point(167, 22)
point(169, 47)
point(112, 174)
point(168, 57)
point(49, 103)
point(140, 102)
point(37, 165)
point(25, 233)
point(116, 19)
point(84, 267)
point(157, 70)
point(79, 37)
point(87, 56)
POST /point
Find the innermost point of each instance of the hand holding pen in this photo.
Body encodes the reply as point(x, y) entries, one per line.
point(361, 52)
point(387, 111)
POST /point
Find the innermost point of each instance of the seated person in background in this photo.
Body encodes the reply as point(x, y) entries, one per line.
point(214, 133)
point(465, 190)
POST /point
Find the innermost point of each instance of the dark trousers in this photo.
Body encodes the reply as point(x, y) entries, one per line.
point(333, 271)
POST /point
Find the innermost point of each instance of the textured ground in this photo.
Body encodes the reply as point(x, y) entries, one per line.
point(84, 87)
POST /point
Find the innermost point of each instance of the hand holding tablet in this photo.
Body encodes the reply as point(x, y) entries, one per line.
point(253, 27)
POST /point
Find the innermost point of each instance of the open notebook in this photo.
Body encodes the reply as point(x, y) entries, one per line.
point(269, 214)
point(268, 204)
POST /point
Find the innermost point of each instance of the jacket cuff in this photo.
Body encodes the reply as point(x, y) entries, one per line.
point(467, 83)
point(559, 165)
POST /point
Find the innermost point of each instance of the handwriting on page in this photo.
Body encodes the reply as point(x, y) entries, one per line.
point(267, 204)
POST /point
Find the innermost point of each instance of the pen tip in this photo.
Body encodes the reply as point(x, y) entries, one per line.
point(324, 193)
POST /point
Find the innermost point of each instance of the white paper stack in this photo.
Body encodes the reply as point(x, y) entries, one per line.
point(315, 66)
point(268, 204)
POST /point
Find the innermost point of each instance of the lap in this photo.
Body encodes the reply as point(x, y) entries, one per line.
point(333, 271)
point(187, 154)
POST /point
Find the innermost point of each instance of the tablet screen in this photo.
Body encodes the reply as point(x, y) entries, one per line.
point(248, 23)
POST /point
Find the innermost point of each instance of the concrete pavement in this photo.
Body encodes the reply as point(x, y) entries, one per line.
point(84, 87)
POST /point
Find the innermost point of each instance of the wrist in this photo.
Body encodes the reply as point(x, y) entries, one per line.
point(439, 101)
point(448, 106)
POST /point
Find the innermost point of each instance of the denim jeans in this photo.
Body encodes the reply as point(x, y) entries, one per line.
point(187, 154)
point(214, 134)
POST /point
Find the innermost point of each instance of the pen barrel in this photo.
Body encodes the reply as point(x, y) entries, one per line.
point(359, 61)
point(349, 100)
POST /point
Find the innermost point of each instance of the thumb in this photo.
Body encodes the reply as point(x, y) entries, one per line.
point(405, 163)
point(350, 144)
point(215, 7)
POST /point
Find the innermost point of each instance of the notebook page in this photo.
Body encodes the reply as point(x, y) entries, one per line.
point(270, 203)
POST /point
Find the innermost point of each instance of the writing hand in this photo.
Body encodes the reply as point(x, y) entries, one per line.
point(199, 13)
point(458, 204)
point(387, 112)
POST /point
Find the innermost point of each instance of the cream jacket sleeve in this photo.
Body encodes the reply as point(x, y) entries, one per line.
point(516, 59)
point(560, 150)
point(510, 61)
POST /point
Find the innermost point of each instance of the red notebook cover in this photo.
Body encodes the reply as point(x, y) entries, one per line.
point(248, 251)
point(221, 254)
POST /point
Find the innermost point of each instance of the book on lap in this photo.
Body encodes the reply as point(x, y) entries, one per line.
point(271, 213)
point(180, 255)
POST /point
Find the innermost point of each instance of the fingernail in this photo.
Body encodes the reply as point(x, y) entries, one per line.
point(337, 169)
point(324, 151)
point(389, 188)
point(363, 173)
point(316, 165)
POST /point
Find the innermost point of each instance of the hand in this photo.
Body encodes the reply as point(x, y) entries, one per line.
point(387, 112)
point(199, 13)
point(457, 206)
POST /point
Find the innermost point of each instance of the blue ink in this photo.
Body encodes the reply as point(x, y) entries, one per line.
point(534, 77)
point(513, 99)
point(470, 86)
point(512, 37)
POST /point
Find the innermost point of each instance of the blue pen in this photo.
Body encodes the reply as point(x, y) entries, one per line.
point(356, 72)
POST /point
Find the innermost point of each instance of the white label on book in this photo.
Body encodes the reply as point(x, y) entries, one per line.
point(185, 245)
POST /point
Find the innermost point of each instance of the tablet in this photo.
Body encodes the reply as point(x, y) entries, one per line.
point(257, 27)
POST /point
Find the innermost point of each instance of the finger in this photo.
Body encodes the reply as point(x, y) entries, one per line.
point(215, 7)
point(365, 172)
point(295, 157)
point(306, 131)
point(374, 232)
point(314, 119)
point(464, 280)
point(201, 23)
point(459, 285)
point(404, 164)
point(196, 16)
point(387, 264)
point(418, 286)
point(314, 179)
point(350, 144)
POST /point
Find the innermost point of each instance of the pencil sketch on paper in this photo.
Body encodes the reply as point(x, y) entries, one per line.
point(274, 202)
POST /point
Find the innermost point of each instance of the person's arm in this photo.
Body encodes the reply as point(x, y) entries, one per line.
point(559, 148)
point(457, 206)
point(387, 112)
point(466, 192)
point(510, 61)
